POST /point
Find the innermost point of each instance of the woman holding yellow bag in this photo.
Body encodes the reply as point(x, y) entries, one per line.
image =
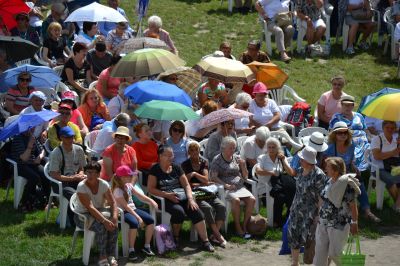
point(338, 214)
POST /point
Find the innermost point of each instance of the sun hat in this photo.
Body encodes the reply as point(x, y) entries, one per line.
point(339, 126)
point(260, 87)
point(66, 132)
point(123, 131)
point(69, 96)
point(37, 94)
point(316, 141)
point(347, 99)
point(309, 155)
point(124, 170)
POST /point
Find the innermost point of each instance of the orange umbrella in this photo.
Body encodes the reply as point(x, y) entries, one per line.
point(269, 74)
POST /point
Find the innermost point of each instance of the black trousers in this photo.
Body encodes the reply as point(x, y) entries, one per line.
point(284, 189)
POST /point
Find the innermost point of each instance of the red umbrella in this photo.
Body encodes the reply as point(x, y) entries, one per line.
point(9, 8)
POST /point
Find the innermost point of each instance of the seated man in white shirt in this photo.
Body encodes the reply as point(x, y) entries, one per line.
point(254, 146)
point(104, 138)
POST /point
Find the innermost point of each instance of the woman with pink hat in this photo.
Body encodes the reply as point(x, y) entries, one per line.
point(266, 111)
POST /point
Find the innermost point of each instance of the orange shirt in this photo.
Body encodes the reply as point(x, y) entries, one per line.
point(101, 111)
point(126, 158)
point(146, 154)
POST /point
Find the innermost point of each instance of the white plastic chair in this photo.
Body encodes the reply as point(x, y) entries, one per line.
point(230, 5)
point(93, 84)
point(285, 95)
point(165, 218)
point(269, 201)
point(302, 29)
point(240, 142)
point(280, 135)
point(19, 184)
point(58, 69)
point(387, 18)
point(63, 202)
point(267, 35)
point(346, 28)
point(88, 236)
point(380, 185)
point(39, 57)
point(309, 130)
point(23, 62)
point(203, 145)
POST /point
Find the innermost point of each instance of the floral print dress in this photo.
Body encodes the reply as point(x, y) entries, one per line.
point(304, 208)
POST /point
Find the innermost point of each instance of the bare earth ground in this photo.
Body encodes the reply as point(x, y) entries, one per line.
point(382, 251)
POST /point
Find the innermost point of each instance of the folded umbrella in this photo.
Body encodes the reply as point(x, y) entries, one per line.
point(42, 77)
point(166, 110)
point(225, 70)
point(146, 62)
point(385, 107)
point(222, 115)
point(96, 12)
point(17, 49)
point(25, 122)
point(269, 74)
point(145, 91)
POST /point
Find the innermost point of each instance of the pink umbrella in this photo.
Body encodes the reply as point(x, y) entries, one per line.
point(222, 115)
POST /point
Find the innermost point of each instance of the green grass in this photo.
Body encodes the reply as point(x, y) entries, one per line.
point(197, 28)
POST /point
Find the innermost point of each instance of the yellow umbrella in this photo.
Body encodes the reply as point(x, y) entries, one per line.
point(385, 107)
point(269, 74)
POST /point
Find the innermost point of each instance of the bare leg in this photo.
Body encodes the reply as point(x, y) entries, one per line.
point(352, 35)
point(295, 257)
point(319, 33)
point(149, 233)
point(393, 192)
point(235, 203)
point(132, 237)
point(310, 35)
point(176, 229)
point(201, 230)
point(249, 203)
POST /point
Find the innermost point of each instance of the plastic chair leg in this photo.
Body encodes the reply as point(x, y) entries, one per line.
point(88, 237)
point(125, 239)
point(380, 190)
point(63, 212)
point(74, 242)
point(270, 209)
point(19, 185)
point(48, 208)
point(8, 187)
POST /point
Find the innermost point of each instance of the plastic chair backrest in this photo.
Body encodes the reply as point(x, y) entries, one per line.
point(309, 130)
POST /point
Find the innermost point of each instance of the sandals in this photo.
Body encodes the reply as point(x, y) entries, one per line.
point(208, 247)
point(215, 241)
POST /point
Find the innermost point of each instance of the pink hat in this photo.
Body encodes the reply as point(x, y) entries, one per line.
point(260, 87)
point(124, 170)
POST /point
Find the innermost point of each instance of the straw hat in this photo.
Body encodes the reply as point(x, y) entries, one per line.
point(123, 131)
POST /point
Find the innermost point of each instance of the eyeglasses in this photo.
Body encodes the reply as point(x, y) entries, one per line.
point(177, 130)
point(25, 79)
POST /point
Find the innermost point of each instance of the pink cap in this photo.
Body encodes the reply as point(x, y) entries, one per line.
point(124, 170)
point(260, 87)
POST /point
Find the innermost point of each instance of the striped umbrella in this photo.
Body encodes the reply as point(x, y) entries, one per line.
point(188, 79)
point(222, 115)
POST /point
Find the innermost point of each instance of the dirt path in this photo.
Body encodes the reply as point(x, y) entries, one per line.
point(382, 251)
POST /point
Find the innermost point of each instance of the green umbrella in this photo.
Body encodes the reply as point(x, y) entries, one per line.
point(146, 62)
point(166, 110)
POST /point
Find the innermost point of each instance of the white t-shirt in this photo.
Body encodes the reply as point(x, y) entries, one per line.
point(386, 146)
point(264, 114)
point(119, 193)
point(273, 7)
point(376, 123)
point(97, 199)
point(250, 149)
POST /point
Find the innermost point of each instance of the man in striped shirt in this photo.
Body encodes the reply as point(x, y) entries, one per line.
point(17, 97)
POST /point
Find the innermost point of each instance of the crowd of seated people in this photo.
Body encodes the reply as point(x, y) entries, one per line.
point(171, 157)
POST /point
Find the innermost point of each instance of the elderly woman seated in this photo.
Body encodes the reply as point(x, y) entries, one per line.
point(168, 181)
point(93, 193)
point(116, 36)
point(154, 29)
point(274, 168)
point(242, 125)
point(266, 111)
point(230, 171)
point(386, 146)
point(196, 170)
point(254, 146)
point(94, 111)
point(213, 147)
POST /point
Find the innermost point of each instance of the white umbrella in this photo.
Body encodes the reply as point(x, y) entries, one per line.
point(96, 12)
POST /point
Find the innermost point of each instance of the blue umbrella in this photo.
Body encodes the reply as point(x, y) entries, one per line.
point(145, 91)
point(42, 77)
point(25, 122)
point(366, 99)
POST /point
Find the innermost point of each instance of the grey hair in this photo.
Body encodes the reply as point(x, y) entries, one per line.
point(227, 141)
point(155, 20)
point(242, 98)
point(273, 140)
point(262, 133)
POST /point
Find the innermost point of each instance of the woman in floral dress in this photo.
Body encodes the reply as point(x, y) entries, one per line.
point(310, 181)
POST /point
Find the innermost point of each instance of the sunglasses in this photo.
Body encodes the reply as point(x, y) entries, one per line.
point(341, 133)
point(177, 130)
point(25, 79)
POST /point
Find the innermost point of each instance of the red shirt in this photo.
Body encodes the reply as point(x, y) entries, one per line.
point(127, 158)
point(146, 154)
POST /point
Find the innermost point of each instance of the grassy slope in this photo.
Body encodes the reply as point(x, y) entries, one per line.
point(198, 27)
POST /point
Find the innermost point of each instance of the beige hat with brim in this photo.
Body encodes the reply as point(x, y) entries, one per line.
point(122, 131)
